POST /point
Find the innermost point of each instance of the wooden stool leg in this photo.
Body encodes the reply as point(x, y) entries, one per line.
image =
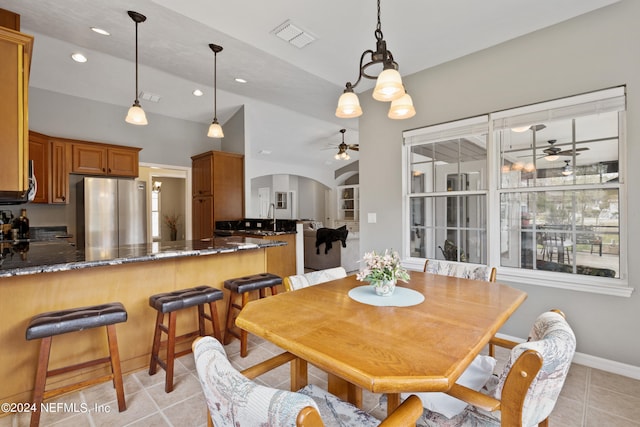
point(213, 311)
point(41, 378)
point(229, 322)
point(243, 333)
point(201, 317)
point(114, 355)
point(157, 335)
point(274, 290)
point(171, 352)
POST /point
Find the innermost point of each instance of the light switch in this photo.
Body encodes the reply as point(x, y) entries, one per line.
point(371, 218)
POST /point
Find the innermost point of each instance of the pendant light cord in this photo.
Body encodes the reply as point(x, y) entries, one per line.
point(215, 85)
point(137, 101)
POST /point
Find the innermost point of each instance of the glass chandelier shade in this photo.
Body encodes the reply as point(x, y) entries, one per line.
point(348, 105)
point(136, 115)
point(215, 130)
point(402, 108)
point(388, 86)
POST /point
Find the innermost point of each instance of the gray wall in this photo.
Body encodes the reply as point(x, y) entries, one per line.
point(169, 141)
point(591, 52)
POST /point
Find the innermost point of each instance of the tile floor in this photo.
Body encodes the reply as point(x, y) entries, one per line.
point(590, 398)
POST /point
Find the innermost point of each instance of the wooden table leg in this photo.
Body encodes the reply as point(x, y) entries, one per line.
point(298, 374)
point(393, 401)
point(345, 390)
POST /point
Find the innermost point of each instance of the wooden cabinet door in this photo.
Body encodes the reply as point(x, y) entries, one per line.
point(202, 217)
point(122, 162)
point(88, 159)
point(228, 184)
point(59, 172)
point(39, 153)
point(202, 167)
point(15, 51)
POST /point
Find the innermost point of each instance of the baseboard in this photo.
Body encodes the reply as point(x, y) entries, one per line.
point(595, 362)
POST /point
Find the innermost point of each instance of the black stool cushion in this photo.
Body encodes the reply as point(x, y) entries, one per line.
point(177, 300)
point(75, 319)
point(251, 283)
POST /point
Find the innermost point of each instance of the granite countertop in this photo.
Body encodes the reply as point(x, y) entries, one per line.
point(22, 258)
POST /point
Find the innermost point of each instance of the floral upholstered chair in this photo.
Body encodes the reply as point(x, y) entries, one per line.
point(234, 400)
point(460, 269)
point(299, 281)
point(528, 388)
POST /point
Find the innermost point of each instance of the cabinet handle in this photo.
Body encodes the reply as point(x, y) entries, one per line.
point(103, 170)
point(109, 170)
point(64, 199)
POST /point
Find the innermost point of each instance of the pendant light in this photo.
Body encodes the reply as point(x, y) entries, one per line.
point(215, 130)
point(136, 115)
point(389, 87)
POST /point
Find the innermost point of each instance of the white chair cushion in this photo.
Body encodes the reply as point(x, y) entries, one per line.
point(474, 377)
point(300, 281)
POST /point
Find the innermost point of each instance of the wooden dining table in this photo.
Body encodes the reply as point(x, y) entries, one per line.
point(421, 347)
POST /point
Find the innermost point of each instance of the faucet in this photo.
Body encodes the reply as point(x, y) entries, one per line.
point(272, 209)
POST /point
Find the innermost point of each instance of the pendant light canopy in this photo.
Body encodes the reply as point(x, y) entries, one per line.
point(215, 130)
point(389, 87)
point(136, 115)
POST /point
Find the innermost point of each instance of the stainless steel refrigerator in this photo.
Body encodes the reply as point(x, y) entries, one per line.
point(111, 212)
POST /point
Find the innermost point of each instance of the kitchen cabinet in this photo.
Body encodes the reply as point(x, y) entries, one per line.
point(59, 176)
point(218, 190)
point(39, 153)
point(15, 51)
point(348, 203)
point(102, 159)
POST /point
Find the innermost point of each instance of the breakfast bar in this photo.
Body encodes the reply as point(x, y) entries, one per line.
point(37, 277)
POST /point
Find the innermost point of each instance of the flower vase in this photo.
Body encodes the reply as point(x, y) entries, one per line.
point(174, 234)
point(385, 288)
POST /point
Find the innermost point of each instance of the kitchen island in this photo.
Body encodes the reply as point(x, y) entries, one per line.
point(37, 277)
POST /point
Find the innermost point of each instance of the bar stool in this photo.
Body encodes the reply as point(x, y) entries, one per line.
point(46, 325)
point(243, 286)
point(172, 302)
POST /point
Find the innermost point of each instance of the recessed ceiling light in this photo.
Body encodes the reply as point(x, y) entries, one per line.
point(239, 80)
point(78, 57)
point(197, 92)
point(100, 31)
point(265, 152)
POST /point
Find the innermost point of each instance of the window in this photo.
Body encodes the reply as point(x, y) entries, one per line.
point(551, 209)
point(447, 175)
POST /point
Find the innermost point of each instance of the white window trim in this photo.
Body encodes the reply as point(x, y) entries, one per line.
point(575, 282)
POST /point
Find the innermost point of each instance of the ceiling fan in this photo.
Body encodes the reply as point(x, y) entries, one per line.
point(552, 153)
point(342, 148)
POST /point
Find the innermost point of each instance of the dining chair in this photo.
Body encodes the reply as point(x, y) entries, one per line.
point(462, 270)
point(299, 281)
point(526, 391)
point(234, 400)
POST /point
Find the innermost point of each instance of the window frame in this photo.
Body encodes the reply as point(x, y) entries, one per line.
point(594, 284)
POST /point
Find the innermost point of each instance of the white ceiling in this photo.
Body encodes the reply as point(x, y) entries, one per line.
point(292, 93)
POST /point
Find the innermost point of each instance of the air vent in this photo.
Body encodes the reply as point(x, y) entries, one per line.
point(293, 35)
point(149, 97)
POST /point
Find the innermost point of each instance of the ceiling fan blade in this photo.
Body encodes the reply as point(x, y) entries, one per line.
point(354, 147)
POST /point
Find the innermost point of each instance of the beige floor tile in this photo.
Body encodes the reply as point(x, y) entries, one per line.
point(622, 405)
point(615, 382)
point(153, 420)
point(596, 418)
point(184, 387)
point(567, 413)
point(575, 386)
point(139, 405)
point(189, 412)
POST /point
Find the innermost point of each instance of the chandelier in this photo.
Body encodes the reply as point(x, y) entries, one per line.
point(389, 87)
